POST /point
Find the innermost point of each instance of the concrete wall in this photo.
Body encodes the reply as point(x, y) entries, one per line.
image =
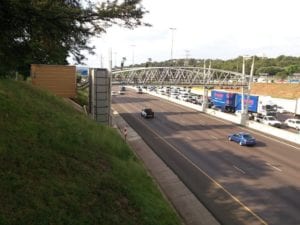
point(277, 132)
point(58, 79)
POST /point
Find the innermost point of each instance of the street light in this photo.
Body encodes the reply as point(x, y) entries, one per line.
point(245, 57)
point(172, 43)
point(245, 106)
point(132, 54)
point(187, 54)
point(115, 54)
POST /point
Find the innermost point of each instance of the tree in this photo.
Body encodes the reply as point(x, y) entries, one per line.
point(270, 70)
point(290, 70)
point(282, 75)
point(48, 31)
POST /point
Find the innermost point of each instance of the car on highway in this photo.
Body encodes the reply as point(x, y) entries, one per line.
point(294, 123)
point(269, 120)
point(280, 109)
point(147, 113)
point(139, 90)
point(242, 139)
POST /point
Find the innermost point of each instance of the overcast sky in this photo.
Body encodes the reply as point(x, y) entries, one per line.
point(209, 29)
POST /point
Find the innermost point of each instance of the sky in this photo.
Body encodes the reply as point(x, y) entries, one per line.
point(204, 29)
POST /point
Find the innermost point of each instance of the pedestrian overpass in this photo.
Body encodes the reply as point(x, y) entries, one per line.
point(188, 76)
point(100, 81)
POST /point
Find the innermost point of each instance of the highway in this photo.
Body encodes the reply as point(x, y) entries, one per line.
point(238, 184)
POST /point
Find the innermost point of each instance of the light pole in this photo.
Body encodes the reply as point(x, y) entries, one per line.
point(187, 54)
point(243, 80)
point(172, 43)
point(244, 106)
point(132, 54)
point(115, 55)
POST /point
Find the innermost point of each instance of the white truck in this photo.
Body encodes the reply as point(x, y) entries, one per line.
point(269, 120)
point(266, 106)
point(297, 109)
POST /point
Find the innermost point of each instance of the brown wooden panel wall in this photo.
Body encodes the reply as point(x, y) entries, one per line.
point(61, 80)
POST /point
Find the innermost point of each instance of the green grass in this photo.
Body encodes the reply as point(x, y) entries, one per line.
point(82, 97)
point(59, 167)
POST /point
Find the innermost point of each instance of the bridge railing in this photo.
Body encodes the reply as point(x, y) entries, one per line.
point(180, 76)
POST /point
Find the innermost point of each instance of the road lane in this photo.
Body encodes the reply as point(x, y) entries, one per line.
point(270, 193)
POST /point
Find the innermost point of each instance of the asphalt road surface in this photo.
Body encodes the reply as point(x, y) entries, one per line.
point(238, 184)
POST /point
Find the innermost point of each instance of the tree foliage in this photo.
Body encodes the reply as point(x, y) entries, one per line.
point(282, 66)
point(48, 31)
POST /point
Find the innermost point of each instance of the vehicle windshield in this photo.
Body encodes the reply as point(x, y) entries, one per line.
point(270, 107)
point(298, 122)
point(271, 118)
point(247, 136)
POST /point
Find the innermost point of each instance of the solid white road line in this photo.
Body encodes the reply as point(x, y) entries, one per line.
point(274, 167)
point(237, 168)
point(209, 177)
point(214, 137)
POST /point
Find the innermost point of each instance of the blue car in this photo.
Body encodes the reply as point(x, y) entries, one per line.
point(242, 138)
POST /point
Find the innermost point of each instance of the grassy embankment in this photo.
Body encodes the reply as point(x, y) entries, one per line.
point(59, 167)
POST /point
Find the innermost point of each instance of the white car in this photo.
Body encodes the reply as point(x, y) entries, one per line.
point(271, 120)
point(280, 109)
point(139, 91)
point(295, 123)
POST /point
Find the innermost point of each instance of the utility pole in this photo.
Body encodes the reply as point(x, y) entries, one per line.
point(172, 43)
point(132, 54)
point(187, 54)
point(115, 57)
point(101, 61)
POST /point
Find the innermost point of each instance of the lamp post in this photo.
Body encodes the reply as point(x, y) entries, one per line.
point(132, 54)
point(172, 43)
point(243, 81)
point(249, 83)
point(187, 54)
point(243, 105)
point(115, 55)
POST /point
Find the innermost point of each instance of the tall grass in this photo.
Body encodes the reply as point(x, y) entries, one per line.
point(59, 167)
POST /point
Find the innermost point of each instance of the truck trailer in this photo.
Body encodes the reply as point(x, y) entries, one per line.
point(224, 100)
point(257, 105)
point(232, 102)
point(297, 109)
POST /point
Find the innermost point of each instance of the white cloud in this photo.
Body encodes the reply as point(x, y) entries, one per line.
point(208, 29)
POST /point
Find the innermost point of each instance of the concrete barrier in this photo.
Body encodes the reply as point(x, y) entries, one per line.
point(277, 132)
point(226, 116)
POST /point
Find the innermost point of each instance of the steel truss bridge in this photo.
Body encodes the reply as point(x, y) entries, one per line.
point(189, 76)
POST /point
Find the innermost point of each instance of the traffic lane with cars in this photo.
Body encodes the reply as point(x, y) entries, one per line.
point(207, 190)
point(240, 169)
point(199, 124)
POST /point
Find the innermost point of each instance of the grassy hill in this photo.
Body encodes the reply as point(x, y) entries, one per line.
point(59, 167)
